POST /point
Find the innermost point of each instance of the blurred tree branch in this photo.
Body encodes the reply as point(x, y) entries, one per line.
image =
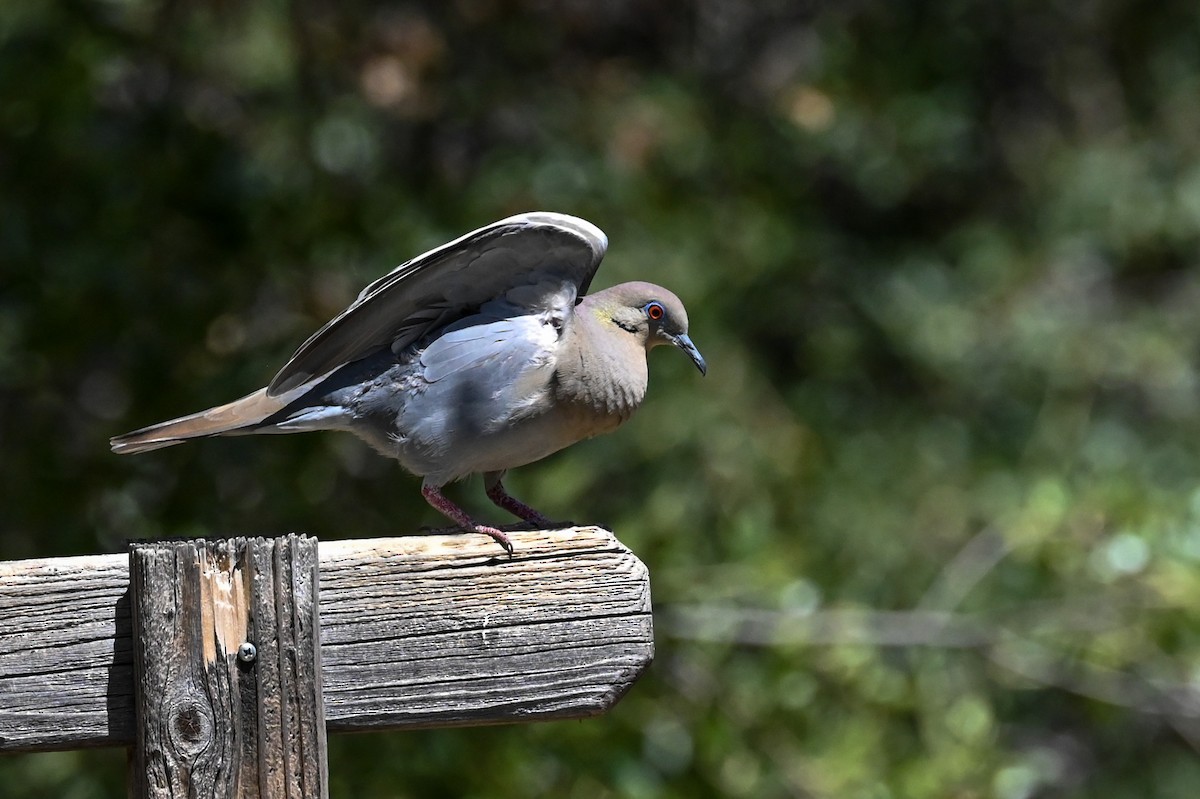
point(1014, 650)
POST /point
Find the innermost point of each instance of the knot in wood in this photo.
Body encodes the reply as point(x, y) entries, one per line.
point(190, 726)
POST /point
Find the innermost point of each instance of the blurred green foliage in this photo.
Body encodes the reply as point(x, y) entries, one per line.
point(930, 527)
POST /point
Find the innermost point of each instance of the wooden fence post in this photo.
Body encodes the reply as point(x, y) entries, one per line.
point(227, 672)
point(141, 650)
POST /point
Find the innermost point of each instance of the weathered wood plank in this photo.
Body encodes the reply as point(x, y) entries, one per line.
point(561, 630)
point(292, 756)
point(66, 662)
point(214, 718)
point(415, 631)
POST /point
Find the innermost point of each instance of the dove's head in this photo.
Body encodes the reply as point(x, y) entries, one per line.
point(650, 312)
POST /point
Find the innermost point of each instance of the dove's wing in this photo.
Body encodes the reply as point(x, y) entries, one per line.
point(443, 285)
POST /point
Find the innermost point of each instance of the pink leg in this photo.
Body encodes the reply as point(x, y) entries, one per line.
point(434, 496)
point(503, 499)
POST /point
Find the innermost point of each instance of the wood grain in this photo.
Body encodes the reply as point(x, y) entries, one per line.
point(66, 658)
point(416, 631)
point(211, 720)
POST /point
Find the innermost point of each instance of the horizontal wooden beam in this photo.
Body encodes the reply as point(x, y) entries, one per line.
point(420, 631)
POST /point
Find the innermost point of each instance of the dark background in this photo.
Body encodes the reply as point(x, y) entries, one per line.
point(929, 528)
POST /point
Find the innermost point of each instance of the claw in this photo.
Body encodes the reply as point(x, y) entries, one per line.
point(499, 536)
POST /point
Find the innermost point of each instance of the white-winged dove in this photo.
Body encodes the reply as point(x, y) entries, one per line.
point(477, 357)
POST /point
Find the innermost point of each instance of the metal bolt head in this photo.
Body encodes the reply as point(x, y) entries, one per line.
point(247, 652)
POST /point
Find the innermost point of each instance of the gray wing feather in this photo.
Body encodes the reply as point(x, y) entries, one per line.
point(446, 283)
point(482, 377)
point(460, 349)
point(516, 330)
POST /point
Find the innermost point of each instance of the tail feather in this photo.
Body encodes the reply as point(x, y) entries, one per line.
point(239, 417)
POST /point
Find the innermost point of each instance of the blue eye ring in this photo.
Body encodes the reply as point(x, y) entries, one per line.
point(655, 311)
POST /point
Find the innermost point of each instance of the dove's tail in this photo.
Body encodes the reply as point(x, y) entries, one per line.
point(239, 417)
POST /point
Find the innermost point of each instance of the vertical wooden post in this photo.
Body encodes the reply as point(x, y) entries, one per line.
point(227, 669)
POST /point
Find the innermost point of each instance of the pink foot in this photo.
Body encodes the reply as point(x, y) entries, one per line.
point(434, 496)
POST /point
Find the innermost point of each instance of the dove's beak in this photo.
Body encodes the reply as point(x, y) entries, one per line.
point(684, 343)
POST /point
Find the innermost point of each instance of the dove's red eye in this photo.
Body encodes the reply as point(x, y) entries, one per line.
point(655, 311)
